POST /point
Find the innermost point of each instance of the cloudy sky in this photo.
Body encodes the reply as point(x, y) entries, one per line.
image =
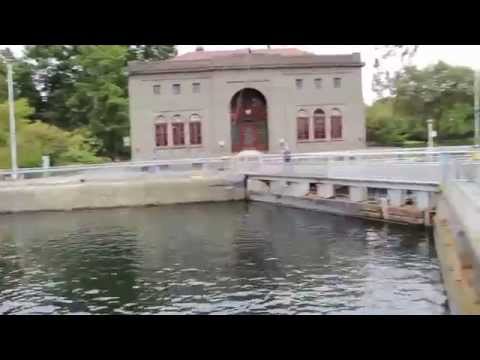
point(468, 55)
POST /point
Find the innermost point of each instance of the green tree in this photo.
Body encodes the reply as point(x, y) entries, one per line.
point(151, 52)
point(36, 138)
point(433, 93)
point(25, 87)
point(3, 83)
point(54, 74)
point(384, 76)
point(384, 126)
point(74, 86)
point(100, 95)
point(440, 92)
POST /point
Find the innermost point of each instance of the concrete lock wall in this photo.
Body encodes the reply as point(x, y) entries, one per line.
point(393, 208)
point(457, 241)
point(297, 189)
point(358, 194)
point(51, 197)
point(396, 197)
point(257, 186)
point(325, 191)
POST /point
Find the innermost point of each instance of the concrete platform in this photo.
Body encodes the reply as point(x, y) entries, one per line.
point(70, 193)
point(457, 240)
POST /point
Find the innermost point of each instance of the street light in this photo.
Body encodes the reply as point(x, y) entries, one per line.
point(7, 55)
point(476, 107)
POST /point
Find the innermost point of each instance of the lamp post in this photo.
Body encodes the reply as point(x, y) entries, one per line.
point(7, 55)
point(476, 107)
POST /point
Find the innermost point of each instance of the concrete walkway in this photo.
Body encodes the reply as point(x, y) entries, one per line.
point(457, 240)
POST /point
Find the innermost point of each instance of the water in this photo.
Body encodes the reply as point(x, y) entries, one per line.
point(226, 258)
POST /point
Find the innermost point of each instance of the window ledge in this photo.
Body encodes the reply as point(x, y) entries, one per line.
point(177, 147)
point(312, 141)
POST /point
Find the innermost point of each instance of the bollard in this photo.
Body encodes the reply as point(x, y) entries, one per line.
point(444, 167)
point(45, 165)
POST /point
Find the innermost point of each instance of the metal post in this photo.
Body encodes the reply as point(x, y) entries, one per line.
point(430, 132)
point(476, 95)
point(13, 135)
point(45, 164)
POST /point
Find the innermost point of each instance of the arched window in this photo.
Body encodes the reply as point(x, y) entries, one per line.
point(303, 128)
point(161, 131)
point(336, 124)
point(319, 130)
point(195, 128)
point(178, 131)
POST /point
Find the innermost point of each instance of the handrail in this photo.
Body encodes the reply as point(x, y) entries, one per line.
point(397, 156)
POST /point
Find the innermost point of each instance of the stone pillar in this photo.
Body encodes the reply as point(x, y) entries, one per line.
point(299, 189)
point(384, 207)
point(396, 197)
point(358, 194)
point(278, 187)
point(257, 186)
point(422, 200)
point(325, 191)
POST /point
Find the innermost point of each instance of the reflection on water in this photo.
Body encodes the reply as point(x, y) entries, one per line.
point(226, 258)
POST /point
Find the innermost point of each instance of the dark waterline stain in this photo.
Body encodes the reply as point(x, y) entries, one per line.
point(223, 258)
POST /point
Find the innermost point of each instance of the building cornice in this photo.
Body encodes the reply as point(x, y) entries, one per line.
point(256, 62)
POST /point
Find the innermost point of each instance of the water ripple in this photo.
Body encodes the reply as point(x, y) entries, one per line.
point(231, 259)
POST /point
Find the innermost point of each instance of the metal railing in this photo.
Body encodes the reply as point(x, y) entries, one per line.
point(392, 163)
point(455, 169)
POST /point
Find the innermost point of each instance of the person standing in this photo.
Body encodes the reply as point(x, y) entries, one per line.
point(287, 157)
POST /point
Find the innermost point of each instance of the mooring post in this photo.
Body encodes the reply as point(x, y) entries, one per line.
point(444, 167)
point(45, 165)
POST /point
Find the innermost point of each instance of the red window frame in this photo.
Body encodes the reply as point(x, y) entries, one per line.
point(195, 128)
point(178, 134)
point(319, 125)
point(337, 127)
point(303, 128)
point(161, 134)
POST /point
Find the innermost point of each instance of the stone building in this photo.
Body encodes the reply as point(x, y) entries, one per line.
point(209, 103)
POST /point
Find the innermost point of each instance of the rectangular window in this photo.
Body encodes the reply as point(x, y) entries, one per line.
point(196, 88)
point(302, 129)
point(161, 137)
point(319, 127)
point(337, 82)
point(195, 133)
point(176, 89)
point(178, 132)
point(299, 83)
point(336, 127)
point(156, 89)
point(318, 83)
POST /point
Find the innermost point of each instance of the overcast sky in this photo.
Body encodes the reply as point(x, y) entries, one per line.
point(468, 55)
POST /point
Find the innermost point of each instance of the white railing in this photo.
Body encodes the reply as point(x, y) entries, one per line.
point(372, 162)
point(455, 169)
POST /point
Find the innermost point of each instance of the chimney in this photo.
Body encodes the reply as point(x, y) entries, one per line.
point(199, 48)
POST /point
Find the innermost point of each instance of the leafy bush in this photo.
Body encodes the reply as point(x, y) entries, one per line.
point(35, 139)
point(440, 92)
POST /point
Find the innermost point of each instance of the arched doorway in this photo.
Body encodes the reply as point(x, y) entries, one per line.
point(248, 109)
